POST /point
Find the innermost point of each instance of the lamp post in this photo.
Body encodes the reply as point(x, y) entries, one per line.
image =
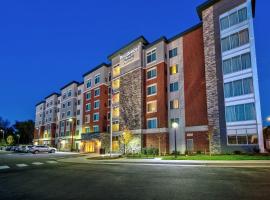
point(71, 127)
point(3, 132)
point(268, 119)
point(175, 126)
point(18, 136)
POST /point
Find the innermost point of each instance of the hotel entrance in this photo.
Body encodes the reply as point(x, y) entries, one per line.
point(92, 146)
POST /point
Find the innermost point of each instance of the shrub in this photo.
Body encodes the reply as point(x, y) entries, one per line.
point(256, 150)
point(199, 152)
point(237, 152)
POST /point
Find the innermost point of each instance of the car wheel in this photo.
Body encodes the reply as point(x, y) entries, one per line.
point(52, 151)
point(35, 152)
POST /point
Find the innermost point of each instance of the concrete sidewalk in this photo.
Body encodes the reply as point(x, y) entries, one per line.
point(86, 159)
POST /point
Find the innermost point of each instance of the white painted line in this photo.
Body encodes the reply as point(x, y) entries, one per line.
point(4, 167)
point(149, 164)
point(51, 161)
point(37, 163)
point(21, 165)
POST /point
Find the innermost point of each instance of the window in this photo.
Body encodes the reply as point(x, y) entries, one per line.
point(69, 103)
point(51, 111)
point(239, 87)
point(152, 73)
point(174, 120)
point(97, 79)
point(115, 126)
point(78, 112)
point(69, 93)
point(79, 92)
point(242, 112)
point(174, 104)
point(116, 112)
point(173, 53)
point(64, 95)
point(173, 69)
point(96, 128)
point(64, 105)
point(97, 92)
point(235, 40)
point(151, 106)
point(151, 56)
point(79, 102)
point(108, 116)
point(236, 63)
point(233, 19)
point(87, 107)
point(174, 87)
point(116, 84)
point(116, 71)
point(96, 117)
point(151, 90)
point(87, 130)
point(78, 122)
point(68, 113)
point(67, 123)
point(88, 83)
point(152, 123)
point(63, 115)
point(88, 95)
point(96, 104)
point(116, 98)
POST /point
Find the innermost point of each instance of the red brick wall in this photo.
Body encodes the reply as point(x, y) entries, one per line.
point(161, 97)
point(194, 79)
point(103, 108)
point(200, 141)
point(152, 140)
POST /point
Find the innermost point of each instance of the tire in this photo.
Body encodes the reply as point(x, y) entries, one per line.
point(35, 152)
point(52, 151)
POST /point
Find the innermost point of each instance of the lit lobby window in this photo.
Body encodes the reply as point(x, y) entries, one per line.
point(116, 84)
point(173, 69)
point(116, 112)
point(116, 71)
point(152, 107)
point(116, 98)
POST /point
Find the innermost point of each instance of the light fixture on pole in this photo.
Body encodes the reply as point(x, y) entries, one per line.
point(3, 132)
point(175, 126)
point(71, 127)
point(268, 119)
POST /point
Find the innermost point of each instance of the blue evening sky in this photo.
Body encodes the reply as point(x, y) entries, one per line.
point(44, 44)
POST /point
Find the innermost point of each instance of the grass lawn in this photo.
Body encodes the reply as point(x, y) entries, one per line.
point(218, 157)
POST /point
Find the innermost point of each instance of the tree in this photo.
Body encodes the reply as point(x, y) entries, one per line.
point(126, 137)
point(10, 140)
point(26, 131)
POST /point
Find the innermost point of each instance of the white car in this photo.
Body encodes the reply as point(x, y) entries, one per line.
point(42, 148)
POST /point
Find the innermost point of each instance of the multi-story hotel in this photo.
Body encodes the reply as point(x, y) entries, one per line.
point(203, 80)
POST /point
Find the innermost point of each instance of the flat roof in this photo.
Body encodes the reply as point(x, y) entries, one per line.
point(125, 47)
point(96, 68)
point(69, 84)
point(41, 102)
point(209, 3)
point(54, 93)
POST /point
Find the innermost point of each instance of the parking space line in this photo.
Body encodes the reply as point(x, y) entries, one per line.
point(51, 161)
point(4, 167)
point(21, 165)
point(37, 163)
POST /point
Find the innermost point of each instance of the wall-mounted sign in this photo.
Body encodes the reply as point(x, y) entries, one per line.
point(129, 56)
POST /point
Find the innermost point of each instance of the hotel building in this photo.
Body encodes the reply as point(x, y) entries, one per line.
point(204, 79)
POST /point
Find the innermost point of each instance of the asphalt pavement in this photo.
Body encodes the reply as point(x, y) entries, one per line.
point(63, 180)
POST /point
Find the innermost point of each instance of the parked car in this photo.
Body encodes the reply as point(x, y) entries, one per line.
point(18, 149)
point(42, 148)
point(26, 148)
point(8, 148)
point(13, 148)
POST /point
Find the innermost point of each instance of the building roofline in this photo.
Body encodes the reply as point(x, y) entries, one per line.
point(54, 93)
point(96, 68)
point(185, 32)
point(76, 82)
point(41, 102)
point(209, 3)
point(163, 38)
point(138, 39)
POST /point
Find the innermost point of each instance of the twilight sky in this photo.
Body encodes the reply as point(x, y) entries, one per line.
point(44, 44)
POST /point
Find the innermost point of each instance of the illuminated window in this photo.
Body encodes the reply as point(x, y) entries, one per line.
point(115, 126)
point(96, 128)
point(116, 71)
point(116, 84)
point(87, 129)
point(174, 104)
point(87, 118)
point(116, 98)
point(116, 112)
point(173, 69)
point(152, 106)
